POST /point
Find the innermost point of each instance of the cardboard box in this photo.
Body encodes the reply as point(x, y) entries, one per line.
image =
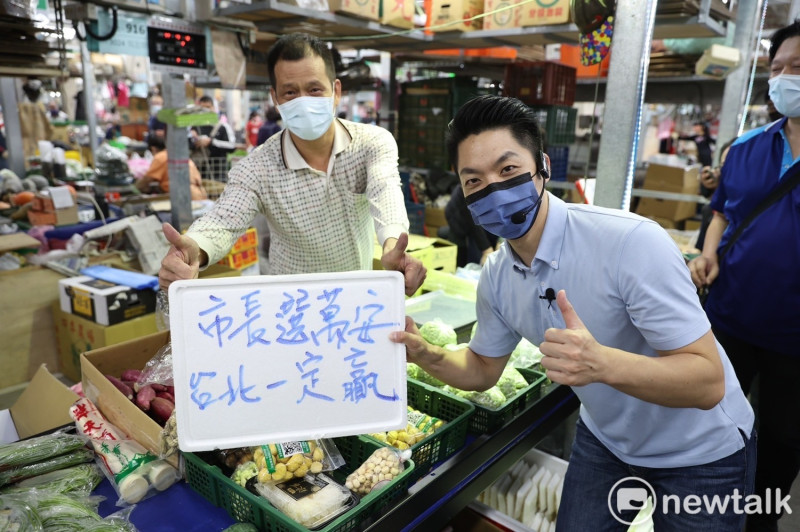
point(678, 179)
point(67, 216)
point(369, 9)
point(118, 409)
point(42, 406)
point(455, 15)
point(104, 302)
point(435, 253)
point(504, 14)
point(544, 13)
point(77, 335)
point(397, 13)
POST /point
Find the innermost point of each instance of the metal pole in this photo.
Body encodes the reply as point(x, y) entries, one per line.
point(16, 152)
point(735, 93)
point(622, 117)
point(177, 155)
point(88, 95)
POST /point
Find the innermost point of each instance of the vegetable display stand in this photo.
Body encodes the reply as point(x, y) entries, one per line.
point(446, 440)
point(487, 420)
point(209, 481)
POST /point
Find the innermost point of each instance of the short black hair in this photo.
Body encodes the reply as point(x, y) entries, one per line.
point(272, 114)
point(792, 30)
point(297, 46)
point(490, 112)
point(206, 99)
point(154, 141)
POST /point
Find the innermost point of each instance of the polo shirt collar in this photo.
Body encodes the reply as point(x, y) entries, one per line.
point(294, 161)
point(551, 243)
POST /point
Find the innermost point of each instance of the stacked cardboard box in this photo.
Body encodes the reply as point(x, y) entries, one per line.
point(677, 179)
point(244, 252)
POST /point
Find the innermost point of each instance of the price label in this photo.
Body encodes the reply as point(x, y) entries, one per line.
point(130, 38)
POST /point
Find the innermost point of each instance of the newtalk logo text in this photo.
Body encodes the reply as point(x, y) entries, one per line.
point(632, 493)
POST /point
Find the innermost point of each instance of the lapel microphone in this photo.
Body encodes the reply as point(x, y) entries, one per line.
point(550, 296)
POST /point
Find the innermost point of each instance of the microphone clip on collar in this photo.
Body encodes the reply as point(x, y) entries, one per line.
point(550, 296)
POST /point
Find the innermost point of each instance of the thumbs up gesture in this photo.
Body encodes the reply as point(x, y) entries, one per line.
point(571, 356)
point(182, 261)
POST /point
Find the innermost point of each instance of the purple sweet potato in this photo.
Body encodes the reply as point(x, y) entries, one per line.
point(161, 409)
point(158, 387)
point(166, 395)
point(144, 397)
point(121, 386)
point(131, 375)
point(171, 389)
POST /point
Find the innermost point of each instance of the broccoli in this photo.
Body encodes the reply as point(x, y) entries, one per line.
point(438, 333)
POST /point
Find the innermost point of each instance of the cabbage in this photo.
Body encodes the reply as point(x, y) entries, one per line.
point(412, 370)
point(511, 382)
point(438, 333)
point(525, 355)
point(455, 347)
point(427, 378)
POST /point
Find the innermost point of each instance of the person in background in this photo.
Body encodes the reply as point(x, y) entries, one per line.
point(327, 187)
point(156, 179)
point(753, 299)
point(54, 112)
point(701, 136)
point(155, 127)
point(271, 125)
point(252, 127)
point(606, 296)
point(474, 243)
point(709, 181)
point(211, 145)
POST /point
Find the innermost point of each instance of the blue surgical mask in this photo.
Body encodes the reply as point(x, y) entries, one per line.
point(308, 117)
point(504, 208)
point(784, 91)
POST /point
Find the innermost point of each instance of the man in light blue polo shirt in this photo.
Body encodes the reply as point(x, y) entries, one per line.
point(659, 398)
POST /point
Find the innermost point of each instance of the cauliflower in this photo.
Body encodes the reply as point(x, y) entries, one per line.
point(438, 333)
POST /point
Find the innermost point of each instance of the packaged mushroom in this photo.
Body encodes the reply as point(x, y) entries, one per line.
point(383, 466)
point(283, 461)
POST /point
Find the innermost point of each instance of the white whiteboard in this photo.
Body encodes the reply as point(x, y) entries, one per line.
point(268, 359)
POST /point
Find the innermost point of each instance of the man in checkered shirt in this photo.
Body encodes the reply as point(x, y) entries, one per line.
point(323, 183)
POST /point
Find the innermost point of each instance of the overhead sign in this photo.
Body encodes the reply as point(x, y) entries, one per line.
point(270, 359)
point(130, 37)
point(176, 46)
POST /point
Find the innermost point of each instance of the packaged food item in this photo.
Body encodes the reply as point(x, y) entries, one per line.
point(383, 466)
point(418, 427)
point(311, 500)
point(283, 461)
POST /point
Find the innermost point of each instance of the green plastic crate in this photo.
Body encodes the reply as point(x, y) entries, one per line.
point(487, 420)
point(557, 123)
point(242, 505)
point(450, 438)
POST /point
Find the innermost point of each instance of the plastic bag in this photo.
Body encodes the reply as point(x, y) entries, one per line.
point(383, 466)
point(134, 471)
point(162, 310)
point(158, 369)
point(311, 500)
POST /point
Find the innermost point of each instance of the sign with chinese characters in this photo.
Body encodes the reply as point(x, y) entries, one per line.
point(269, 359)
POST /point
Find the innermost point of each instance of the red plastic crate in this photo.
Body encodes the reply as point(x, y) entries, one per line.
point(540, 83)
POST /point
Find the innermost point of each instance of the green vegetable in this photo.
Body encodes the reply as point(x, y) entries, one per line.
point(65, 513)
point(16, 474)
point(427, 378)
point(17, 514)
point(83, 478)
point(511, 382)
point(241, 527)
point(244, 472)
point(525, 355)
point(412, 370)
point(36, 449)
point(492, 398)
point(438, 333)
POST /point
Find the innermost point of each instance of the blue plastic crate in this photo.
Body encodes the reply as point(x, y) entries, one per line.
point(416, 217)
point(559, 162)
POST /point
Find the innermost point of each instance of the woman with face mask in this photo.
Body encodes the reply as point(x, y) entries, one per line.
point(325, 185)
point(754, 290)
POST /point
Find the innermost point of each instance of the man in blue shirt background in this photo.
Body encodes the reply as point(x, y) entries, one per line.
point(754, 299)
